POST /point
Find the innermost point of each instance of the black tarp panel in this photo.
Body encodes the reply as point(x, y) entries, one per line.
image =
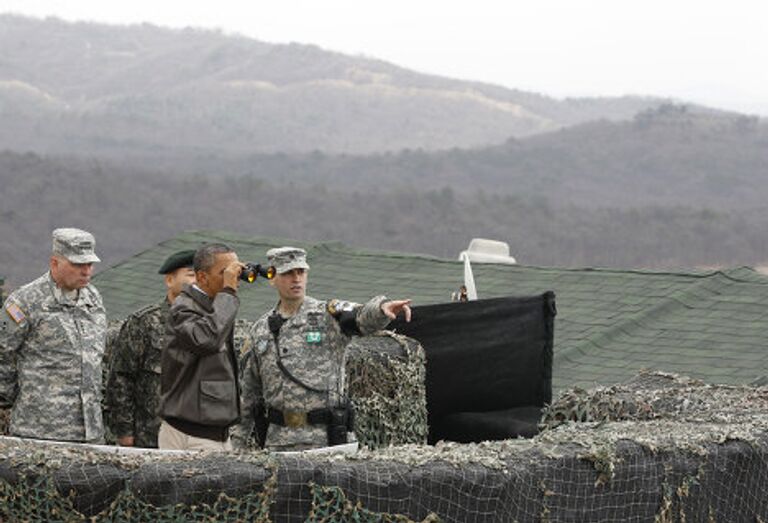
point(484, 356)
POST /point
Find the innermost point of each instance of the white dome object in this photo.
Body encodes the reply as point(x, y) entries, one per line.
point(481, 250)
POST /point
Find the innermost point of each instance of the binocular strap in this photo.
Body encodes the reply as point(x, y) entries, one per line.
point(275, 322)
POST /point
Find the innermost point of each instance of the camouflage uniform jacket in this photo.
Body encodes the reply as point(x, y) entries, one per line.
point(312, 348)
point(50, 362)
point(133, 387)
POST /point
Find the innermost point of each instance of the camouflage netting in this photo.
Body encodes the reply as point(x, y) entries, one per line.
point(44, 482)
point(659, 448)
point(386, 380)
point(657, 396)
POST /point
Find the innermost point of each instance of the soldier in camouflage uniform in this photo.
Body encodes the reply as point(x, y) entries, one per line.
point(292, 374)
point(133, 386)
point(52, 336)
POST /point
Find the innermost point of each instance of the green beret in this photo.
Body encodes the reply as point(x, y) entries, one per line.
point(177, 261)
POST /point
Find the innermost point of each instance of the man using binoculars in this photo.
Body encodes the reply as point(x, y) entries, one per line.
point(293, 392)
point(200, 398)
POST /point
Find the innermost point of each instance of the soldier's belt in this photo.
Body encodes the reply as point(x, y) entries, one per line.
point(296, 419)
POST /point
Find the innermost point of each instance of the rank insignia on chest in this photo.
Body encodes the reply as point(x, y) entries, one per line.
point(314, 337)
point(313, 320)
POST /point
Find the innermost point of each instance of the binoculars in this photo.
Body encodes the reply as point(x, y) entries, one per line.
point(253, 270)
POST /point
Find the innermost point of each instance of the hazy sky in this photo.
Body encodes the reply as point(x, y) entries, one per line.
point(714, 52)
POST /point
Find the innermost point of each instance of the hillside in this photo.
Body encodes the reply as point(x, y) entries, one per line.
point(666, 190)
point(138, 133)
point(663, 157)
point(144, 90)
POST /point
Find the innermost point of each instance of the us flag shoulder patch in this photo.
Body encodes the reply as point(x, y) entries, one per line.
point(15, 312)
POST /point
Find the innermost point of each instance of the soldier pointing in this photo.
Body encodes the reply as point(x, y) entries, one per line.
point(293, 389)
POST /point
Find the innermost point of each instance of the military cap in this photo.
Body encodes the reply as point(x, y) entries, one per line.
point(284, 259)
point(75, 245)
point(177, 260)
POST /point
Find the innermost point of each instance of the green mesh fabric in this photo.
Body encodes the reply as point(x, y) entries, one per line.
point(657, 396)
point(35, 500)
point(39, 500)
point(386, 379)
point(658, 448)
point(330, 505)
point(250, 507)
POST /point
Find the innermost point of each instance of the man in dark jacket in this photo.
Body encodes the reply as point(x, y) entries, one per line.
point(199, 390)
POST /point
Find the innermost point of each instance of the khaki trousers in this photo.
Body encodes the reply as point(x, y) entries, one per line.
point(171, 439)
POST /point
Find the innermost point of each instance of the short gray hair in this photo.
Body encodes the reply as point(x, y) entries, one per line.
point(205, 256)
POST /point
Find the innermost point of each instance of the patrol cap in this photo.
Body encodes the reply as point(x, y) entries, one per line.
point(177, 260)
point(75, 245)
point(284, 259)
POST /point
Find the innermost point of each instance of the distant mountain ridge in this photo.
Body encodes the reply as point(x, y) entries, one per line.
point(138, 133)
point(429, 210)
point(664, 157)
point(143, 89)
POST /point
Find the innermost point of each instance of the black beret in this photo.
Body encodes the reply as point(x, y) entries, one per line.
point(177, 261)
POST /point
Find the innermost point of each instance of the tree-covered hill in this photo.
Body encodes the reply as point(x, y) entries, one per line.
point(140, 90)
point(668, 156)
point(138, 133)
point(669, 189)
